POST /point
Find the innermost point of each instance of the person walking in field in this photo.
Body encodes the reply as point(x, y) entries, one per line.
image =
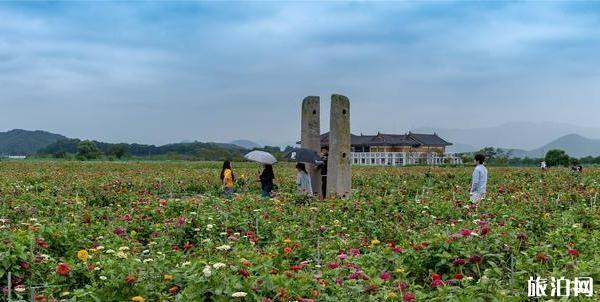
point(303, 180)
point(227, 179)
point(322, 166)
point(266, 180)
point(479, 182)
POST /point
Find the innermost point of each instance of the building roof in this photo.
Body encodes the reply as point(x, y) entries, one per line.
point(382, 139)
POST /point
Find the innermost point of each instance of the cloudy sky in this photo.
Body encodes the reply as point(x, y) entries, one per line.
point(159, 72)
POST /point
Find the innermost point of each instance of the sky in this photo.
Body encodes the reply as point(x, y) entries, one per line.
point(169, 71)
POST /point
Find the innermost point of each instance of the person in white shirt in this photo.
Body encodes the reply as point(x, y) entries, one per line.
point(479, 183)
point(543, 165)
point(303, 180)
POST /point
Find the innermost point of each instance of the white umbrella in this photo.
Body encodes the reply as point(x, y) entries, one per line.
point(261, 157)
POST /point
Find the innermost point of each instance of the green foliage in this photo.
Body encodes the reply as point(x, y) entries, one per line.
point(118, 150)
point(23, 142)
point(88, 150)
point(557, 157)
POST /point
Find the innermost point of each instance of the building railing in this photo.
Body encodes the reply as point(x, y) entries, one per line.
point(403, 158)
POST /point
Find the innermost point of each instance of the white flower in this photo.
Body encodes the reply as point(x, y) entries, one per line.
point(219, 265)
point(103, 278)
point(196, 229)
point(152, 243)
point(187, 263)
point(207, 272)
point(209, 227)
point(145, 251)
point(223, 234)
point(148, 260)
point(97, 268)
point(19, 288)
point(124, 248)
point(121, 255)
point(224, 247)
point(99, 248)
point(64, 294)
point(239, 294)
point(193, 213)
point(110, 252)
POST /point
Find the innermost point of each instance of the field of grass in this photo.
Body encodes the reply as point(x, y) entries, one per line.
point(160, 231)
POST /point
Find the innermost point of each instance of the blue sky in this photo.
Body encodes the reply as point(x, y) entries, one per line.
point(159, 72)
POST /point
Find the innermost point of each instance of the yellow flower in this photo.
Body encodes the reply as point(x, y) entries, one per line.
point(137, 299)
point(168, 277)
point(375, 242)
point(400, 270)
point(287, 240)
point(83, 255)
point(392, 295)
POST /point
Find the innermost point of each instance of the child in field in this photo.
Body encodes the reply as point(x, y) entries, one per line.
point(303, 180)
point(266, 180)
point(227, 178)
point(479, 183)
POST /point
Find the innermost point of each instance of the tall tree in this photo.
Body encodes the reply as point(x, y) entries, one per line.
point(557, 157)
point(88, 150)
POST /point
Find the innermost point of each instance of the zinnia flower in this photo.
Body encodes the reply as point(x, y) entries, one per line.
point(465, 232)
point(385, 276)
point(408, 297)
point(137, 299)
point(458, 262)
point(63, 269)
point(573, 252)
point(475, 259)
point(239, 294)
point(83, 255)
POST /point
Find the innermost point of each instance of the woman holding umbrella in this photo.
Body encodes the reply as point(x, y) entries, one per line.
point(303, 180)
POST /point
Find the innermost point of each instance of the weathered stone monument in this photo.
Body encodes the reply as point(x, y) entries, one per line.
point(338, 169)
point(338, 166)
point(310, 136)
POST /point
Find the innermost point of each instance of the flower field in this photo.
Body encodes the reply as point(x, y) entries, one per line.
point(160, 231)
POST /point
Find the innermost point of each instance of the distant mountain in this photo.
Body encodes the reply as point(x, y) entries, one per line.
point(575, 145)
point(460, 148)
point(25, 142)
point(247, 144)
point(516, 135)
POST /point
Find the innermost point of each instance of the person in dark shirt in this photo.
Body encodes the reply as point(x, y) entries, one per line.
point(266, 180)
point(323, 167)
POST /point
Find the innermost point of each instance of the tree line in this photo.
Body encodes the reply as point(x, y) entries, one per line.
point(554, 157)
point(92, 150)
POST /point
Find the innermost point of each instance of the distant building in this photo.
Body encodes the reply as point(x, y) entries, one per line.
point(16, 156)
point(398, 149)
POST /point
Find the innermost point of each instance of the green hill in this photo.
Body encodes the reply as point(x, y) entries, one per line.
point(25, 142)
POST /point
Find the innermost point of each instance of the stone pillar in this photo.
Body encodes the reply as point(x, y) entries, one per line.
point(339, 169)
point(310, 137)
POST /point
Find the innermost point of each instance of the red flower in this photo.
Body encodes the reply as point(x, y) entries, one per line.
point(333, 265)
point(465, 232)
point(458, 262)
point(573, 252)
point(188, 246)
point(458, 276)
point(436, 277)
point(475, 259)
point(63, 269)
point(296, 267)
point(119, 232)
point(41, 243)
point(408, 297)
point(244, 272)
point(130, 279)
point(484, 230)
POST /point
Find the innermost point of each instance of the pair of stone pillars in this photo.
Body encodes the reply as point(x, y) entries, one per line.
point(338, 167)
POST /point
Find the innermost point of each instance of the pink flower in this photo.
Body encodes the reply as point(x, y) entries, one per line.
point(402, 286)
point(127, 217)
point(333, 265)
point(342, 256)
point(232, 238)
point(436, 283)
point(180, 221)
point(354, 252)
point(465, 232)
point(385, 276)
point(408, 297)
